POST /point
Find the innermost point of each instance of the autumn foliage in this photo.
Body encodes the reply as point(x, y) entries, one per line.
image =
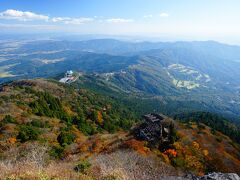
point(99, 118)
point(137, 146)
point(12, 140)
point(171, 152)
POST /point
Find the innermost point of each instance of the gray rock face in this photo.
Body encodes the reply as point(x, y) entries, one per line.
point(211, 176)
point(219, 176)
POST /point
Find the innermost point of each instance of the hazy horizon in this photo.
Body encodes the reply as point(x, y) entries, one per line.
point(88, 37)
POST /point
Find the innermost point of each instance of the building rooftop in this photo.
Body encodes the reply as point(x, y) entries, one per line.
point(69, 72)
point(153, 117)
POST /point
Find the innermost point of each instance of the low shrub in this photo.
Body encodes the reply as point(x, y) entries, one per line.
point(82, 166)
point(27, 133)
point(39, 124)
point(178, 162)
point(65, 138)
point(57, 152)
point(9, 119)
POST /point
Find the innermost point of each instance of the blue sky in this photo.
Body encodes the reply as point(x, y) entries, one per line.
point(169, 19)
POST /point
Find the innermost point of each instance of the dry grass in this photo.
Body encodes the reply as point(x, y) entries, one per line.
point(31, 161)
point(128, 164)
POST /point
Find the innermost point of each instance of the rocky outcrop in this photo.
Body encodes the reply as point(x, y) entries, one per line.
point(211, 176)
point(219, 176)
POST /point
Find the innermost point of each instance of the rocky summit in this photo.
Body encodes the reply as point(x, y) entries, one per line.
point(219, 176)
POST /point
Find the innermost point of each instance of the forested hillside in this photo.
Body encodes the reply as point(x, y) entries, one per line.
point(216, 122)
point(184, 75)
point(61, 130)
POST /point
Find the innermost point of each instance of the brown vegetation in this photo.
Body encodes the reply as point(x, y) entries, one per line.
point(27, 141)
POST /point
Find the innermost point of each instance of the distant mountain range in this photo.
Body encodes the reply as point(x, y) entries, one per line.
point(180, 76)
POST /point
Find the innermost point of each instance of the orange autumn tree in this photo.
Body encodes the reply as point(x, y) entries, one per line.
point(12, 140)
point(137, 146)
point(99, 117)
point(171, 152)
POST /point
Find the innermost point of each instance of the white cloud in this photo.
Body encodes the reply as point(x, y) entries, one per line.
point(78, 20)
point(148, 16)
point(22, 15)
point(30, 16)
point(164, 15)
point(68, 20)
point(60, 19)
point(12, 14)
point(119, 20)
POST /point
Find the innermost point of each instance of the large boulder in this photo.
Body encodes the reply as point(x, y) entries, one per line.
point(219, 176)
point(211, 176)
